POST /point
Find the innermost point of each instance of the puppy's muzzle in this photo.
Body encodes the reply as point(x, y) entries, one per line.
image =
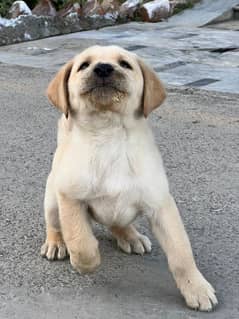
point(103, 70)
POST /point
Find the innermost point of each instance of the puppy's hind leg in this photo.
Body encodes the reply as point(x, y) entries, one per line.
point(54, 246)
point(130, 240)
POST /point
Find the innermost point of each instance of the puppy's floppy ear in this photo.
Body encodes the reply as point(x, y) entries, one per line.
point(57, 91)
point(153, 92)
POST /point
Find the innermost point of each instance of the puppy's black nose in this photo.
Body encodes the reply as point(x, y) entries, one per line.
point(103, 70)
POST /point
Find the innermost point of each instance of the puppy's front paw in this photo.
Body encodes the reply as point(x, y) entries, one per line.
point(54, 248)
point(198, 292)
point(85, 260)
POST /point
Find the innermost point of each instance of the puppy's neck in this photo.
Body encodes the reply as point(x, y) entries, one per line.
point(97, 122)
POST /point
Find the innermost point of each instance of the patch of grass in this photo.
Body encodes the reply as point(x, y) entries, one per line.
point(183, 6)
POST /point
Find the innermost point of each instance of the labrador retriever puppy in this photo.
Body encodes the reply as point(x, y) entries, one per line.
point(107, 167)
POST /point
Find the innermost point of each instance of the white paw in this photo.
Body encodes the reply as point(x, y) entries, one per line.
point(54, 250)
point(140, 244)
point(198, 292)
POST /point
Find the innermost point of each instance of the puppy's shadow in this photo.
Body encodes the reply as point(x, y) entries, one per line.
point(136, 279)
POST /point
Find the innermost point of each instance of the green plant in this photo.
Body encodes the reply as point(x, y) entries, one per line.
point(188, 5)
point(4, 6)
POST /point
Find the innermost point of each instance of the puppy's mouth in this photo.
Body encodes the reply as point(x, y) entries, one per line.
point(105, 94)
point(104, 87)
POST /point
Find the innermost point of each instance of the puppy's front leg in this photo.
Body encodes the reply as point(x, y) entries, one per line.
point(54, 246)
point(77, 233)
point(169, 230)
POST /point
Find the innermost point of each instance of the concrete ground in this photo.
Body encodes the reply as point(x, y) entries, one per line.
point(227, 25)
point(203, 12)
point(206, 58)
point(197, 132)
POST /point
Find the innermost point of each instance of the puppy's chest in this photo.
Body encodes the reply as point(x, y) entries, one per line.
point(115, 191)
point(107, 179)
point(112, 171)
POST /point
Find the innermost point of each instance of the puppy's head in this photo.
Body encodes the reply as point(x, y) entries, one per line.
point(106, 79)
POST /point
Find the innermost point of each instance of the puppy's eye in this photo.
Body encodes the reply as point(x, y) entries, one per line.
point(83, 66)
point(124, 64)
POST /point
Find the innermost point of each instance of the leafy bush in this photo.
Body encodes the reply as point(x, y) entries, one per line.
point(4, 6)
point(189, 4)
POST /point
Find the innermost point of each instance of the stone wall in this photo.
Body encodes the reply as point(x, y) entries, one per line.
point(93, 15)
point(26, 28)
